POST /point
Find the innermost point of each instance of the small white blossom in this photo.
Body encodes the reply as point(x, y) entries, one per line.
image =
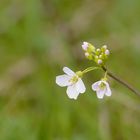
point(102, 88)
point(107, 52)
point(85, 46)
point(100, 61)
point(74, 83)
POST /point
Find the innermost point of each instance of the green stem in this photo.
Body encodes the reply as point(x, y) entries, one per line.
point(90, 69)
point(105, 76)
point(121, 81)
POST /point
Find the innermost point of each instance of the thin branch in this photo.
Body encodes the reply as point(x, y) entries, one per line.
point(121, 81)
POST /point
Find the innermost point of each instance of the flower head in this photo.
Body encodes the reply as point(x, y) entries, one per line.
point(102, 88)
point(73, 81)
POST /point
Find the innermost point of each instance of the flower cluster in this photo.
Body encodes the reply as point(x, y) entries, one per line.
point(73, 80)
point(99, 55)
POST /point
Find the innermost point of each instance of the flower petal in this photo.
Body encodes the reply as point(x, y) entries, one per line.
point(80, 86)
point(95, 86)
point(100, 93)
point(68, 71)
point(108, 90)
point(72, 92)
point(63, 80)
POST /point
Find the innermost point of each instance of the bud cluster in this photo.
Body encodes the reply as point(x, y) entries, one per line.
point(99, 55)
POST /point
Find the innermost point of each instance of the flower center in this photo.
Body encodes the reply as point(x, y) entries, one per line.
point(74, 79)
point(102, 86)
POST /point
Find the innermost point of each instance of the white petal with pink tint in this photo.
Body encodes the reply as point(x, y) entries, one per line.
point(63, 80)
point(72, 92)
point(68, 71)
point(80, 86)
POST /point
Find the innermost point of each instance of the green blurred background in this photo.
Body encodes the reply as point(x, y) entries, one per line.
point(38, 38)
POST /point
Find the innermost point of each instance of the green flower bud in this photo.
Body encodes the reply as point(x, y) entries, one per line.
point(90, 48)
point(98, 51)
point(100, 56)
point(90, 57)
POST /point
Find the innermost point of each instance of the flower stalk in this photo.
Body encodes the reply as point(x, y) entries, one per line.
point(121, 81)
point(90, 69)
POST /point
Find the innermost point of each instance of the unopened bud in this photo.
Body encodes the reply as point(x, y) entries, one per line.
point(100, 56)
point(85, 46)
point(86, 54)
point(100, 61)
point(107, 52)
point(104, 47)
point(96, 57)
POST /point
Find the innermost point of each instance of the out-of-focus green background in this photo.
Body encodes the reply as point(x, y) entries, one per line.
point(38, 38)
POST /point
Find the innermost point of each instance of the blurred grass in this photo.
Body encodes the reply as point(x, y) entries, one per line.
point(38, 38)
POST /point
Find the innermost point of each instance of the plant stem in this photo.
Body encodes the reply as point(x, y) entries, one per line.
point(121, 81)
point(90, 69)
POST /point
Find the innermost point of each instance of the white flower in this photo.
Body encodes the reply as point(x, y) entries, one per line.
point(85, 46)
point(74, 83)
point(102, 88)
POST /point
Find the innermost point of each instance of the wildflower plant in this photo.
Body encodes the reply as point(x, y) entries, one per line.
point(73, 80)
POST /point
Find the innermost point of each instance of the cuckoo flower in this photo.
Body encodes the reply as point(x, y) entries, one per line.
point(72, 81)
point(102, 88)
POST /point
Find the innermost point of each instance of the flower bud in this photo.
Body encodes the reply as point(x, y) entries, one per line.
point(86, 54)
point(91, 48)
point(107, 52)
point(100, 56)
point(97, 52)
point(85, 46)
point(100, 61)
point(96, 56)
point(104, 47)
